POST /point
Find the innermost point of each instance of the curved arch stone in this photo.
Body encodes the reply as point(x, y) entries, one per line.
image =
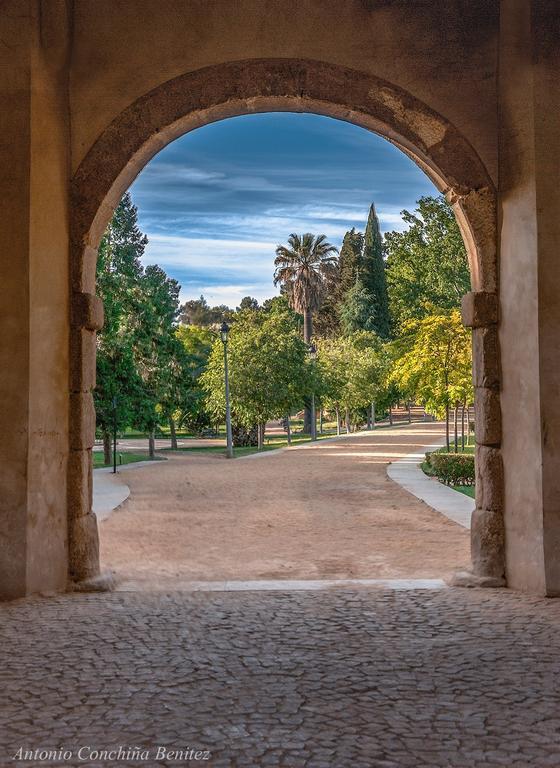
point(227, 90)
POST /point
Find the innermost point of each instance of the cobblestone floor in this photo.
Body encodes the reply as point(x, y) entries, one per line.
point(341, 679)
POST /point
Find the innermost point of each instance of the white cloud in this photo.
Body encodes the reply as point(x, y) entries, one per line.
point(230, 295)
point(165, 172)
point(206, 261)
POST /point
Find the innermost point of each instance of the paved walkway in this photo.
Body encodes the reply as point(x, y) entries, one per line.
point(407, 473)
point(361, 678)
point(314, 512)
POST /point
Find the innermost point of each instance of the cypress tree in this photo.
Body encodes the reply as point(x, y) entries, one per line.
point(373, 275)
point(356, 311)
point(349, 261)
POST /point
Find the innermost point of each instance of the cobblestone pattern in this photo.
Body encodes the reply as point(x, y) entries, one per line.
point(343, 679)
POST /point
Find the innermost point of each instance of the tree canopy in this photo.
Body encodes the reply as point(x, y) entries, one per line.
point(427, 268)
point(164, 362)
point(268, 368)
point(433, 363)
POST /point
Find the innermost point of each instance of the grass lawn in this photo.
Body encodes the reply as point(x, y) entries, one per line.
point(161, 433)
point(271, 443)
point(468, 490)
point(122, 458)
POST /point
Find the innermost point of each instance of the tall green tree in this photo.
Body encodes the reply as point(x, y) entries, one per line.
point(373, 275)
point(119, 275)
point(427, 267)
point(350, 261)
point(158, 351)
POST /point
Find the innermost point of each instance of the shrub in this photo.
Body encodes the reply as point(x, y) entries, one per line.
point(452, 468)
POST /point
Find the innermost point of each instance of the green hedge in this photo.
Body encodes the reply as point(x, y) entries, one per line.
point(452, 468)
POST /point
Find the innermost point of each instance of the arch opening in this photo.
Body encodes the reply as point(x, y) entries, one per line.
point(216, 93)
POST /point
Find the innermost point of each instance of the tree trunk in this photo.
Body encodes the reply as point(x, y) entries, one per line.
point(391, 415)
point(307, 336)
point(447, 427)
point(321, 421)
point(347, 419)
point(307, 326)
point(455, 427)
point(373, 415)
point(463, 428)
point(173, 434)
point(152, 444)
point(409, 413)
point(288, 429)
point(107, 454)
point(260, 436)
point(337, 413)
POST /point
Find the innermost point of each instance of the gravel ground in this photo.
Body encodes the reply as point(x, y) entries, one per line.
point(321, 512)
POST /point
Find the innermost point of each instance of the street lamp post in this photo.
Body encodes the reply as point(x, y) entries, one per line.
point(224, 330)
point(313, 355)
point(114, 435)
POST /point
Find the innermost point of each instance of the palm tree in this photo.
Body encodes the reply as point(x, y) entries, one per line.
point(304, 269)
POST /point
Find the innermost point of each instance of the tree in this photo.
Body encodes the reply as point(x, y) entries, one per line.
point(350, 370)
point(373, 276)
point(268, 369)
point(350, 261)
point(427, 268)
point(248, 302)
point(119, 273)
point(356, 311)
point(305, 269)
point(199, 312)
point(433, 363)
point(158, 351)
point(327, 320)
point(197, 342)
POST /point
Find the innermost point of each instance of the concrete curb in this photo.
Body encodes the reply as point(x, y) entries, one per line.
point(452, 504)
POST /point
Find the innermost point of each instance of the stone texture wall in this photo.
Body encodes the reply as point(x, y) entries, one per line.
point(34, 302)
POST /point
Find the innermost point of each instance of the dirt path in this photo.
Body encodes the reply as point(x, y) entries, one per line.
point(327, 511)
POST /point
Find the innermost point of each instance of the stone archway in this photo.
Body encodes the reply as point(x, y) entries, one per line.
point(222, 91)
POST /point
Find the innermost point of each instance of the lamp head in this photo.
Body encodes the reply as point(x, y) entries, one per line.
point(224, 330)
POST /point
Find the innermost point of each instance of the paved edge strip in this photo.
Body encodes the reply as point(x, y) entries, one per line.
point(321, 440)
point(407, 473)
point(285, 585)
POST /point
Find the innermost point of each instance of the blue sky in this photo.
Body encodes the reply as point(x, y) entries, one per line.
point(216, 202)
